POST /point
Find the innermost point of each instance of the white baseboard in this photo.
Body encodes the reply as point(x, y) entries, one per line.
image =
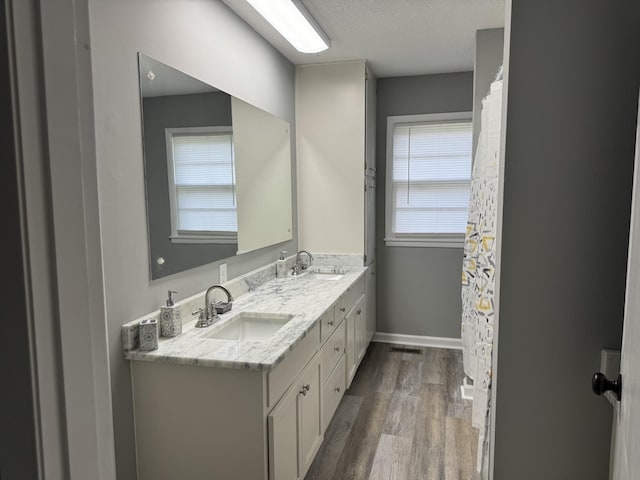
point(418, 340)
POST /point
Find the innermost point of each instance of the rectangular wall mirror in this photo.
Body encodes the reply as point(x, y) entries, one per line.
point(217, 172)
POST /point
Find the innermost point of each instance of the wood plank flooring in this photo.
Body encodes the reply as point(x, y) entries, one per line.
point(402, 419)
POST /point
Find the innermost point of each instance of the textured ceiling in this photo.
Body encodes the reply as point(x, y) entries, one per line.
point(397, 37)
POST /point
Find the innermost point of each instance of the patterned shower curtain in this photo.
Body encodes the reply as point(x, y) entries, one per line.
point(479, 261)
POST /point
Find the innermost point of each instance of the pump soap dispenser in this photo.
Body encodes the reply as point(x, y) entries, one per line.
point(170, 318)
point(281, 265)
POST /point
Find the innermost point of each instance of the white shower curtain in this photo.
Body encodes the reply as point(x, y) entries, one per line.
point(478, 271)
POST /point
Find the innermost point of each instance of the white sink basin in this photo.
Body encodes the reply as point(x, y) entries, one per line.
point(249, 326)
point(325, 273)
point(325, 276)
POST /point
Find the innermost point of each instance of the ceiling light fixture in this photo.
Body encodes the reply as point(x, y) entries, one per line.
point(294, 22)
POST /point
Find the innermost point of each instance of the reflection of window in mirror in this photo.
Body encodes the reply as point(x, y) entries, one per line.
point(202, 185)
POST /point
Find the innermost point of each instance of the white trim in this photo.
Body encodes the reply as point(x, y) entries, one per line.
point(203, 129)
point(418, 340)
point(496, 311)
point(219, 238)
point(434, 242)
point(429, 117)
point(57, 132)
point(424, 240)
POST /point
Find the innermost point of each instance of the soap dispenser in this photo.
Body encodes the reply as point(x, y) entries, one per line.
point(281, 265)
point(170, 318)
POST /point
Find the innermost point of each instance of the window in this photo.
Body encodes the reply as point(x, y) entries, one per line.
point(428, 179)
point(202, 185)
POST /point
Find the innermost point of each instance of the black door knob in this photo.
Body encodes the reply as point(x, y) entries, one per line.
point(601, 384)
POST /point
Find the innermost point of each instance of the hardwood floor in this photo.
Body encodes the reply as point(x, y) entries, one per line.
point(402, 419)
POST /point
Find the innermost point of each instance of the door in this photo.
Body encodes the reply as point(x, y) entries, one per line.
point(627, 414)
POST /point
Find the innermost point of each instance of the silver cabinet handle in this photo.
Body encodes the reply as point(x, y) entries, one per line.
point(359, 311)
point(305, 389)
point(337, 349)
point(332, 322)
point(337, 389)
point(343, 309)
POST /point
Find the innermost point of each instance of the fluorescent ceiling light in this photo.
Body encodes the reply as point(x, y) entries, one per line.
point(294, 23)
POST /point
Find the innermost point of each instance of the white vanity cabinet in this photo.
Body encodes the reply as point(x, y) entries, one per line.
point(197, 422)
point(194, 422)
point(295, 429)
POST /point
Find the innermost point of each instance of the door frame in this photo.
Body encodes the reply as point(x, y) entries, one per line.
point(496, 323)
point(49, 62)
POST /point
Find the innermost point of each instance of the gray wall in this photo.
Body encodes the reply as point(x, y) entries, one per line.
point(206, 40)
point(176, 111)
point(572, 103)
point(489, 48)
point(418, 289)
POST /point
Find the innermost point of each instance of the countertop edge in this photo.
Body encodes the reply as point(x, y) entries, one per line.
point(264, 366)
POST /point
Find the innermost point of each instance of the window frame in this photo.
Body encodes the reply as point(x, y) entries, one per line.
point(183, 236)
point(437, 240)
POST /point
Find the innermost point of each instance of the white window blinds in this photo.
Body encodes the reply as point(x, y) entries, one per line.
point(204, 183)
point(430, 179)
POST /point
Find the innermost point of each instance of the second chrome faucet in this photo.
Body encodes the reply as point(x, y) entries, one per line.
point(300, 267)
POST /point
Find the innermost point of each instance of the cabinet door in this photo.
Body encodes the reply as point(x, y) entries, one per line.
point(283, 438)
point(369, 220)
point(351, 364)
point(332, 393)
point(360, 321)
point(370, 123)
point(371, 302)
point(309, 424)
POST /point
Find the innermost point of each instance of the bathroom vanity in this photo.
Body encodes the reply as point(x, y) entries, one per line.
point(251, 396)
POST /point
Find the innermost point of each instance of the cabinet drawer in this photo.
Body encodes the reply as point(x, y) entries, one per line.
point(332, 392)
point(346, 301)
point(284, 374)
point(332, 351)
point(328, 323)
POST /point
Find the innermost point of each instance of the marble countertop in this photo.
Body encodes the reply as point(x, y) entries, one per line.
point(305, 296)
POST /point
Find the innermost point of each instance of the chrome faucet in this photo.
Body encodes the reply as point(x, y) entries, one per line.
point(208, 315)
point(299, 267)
